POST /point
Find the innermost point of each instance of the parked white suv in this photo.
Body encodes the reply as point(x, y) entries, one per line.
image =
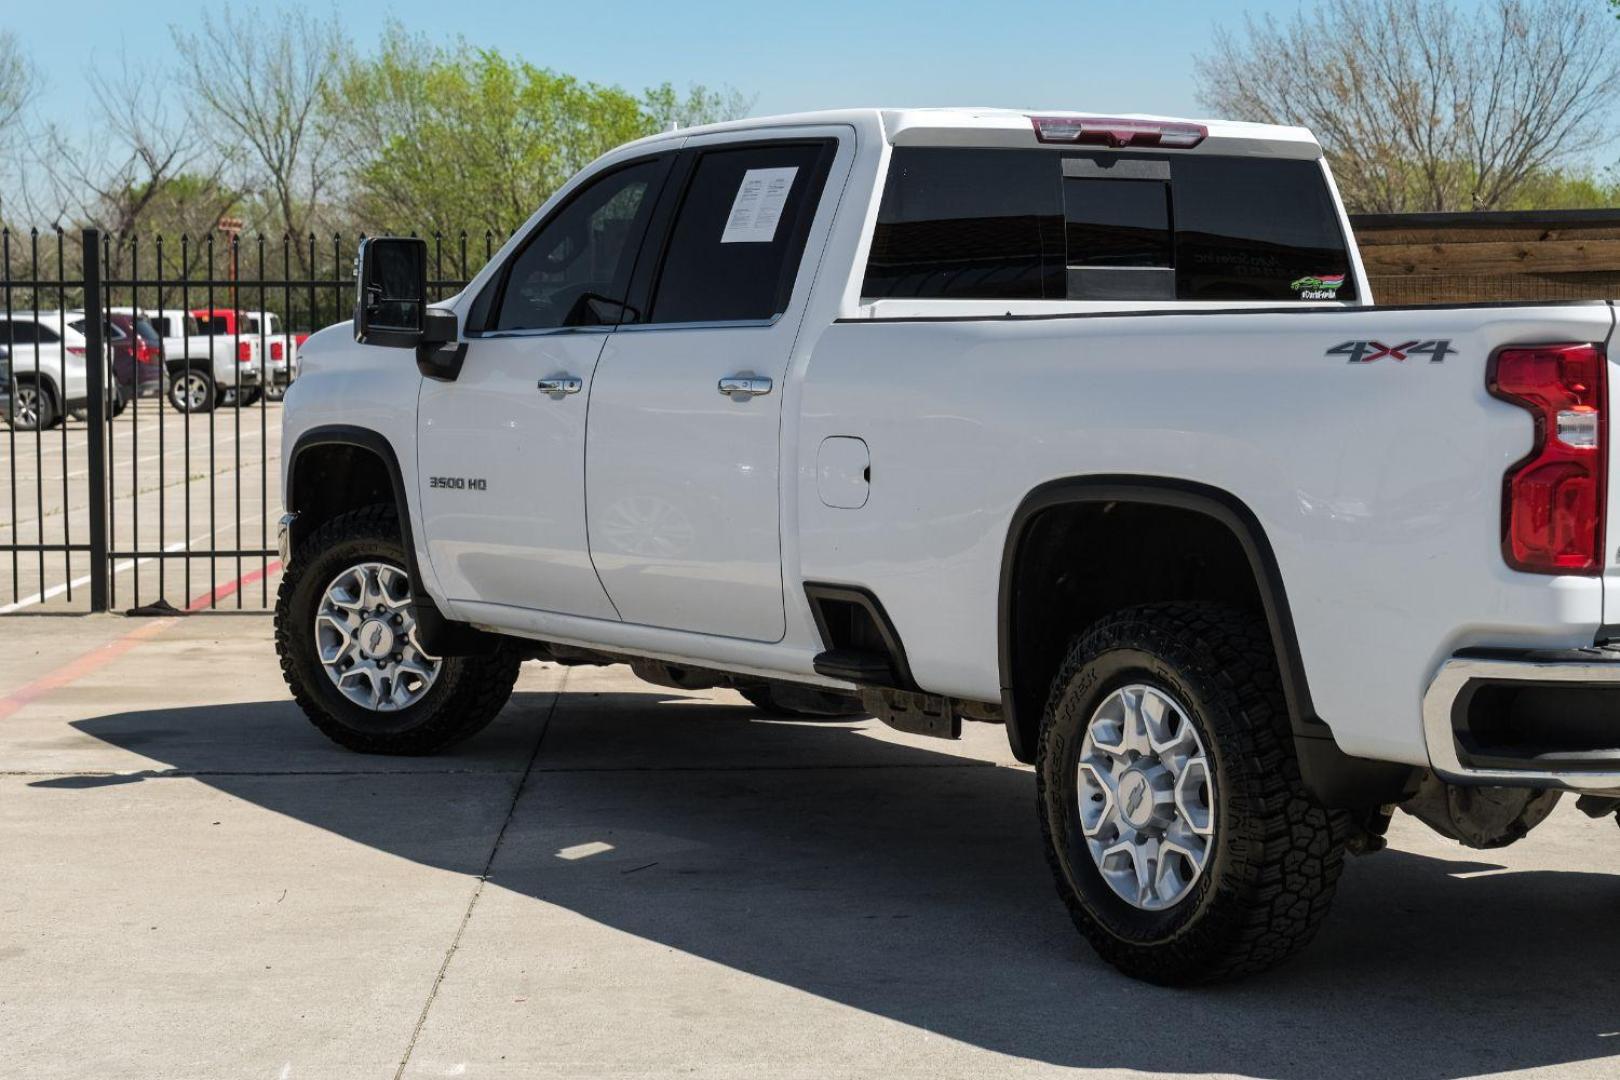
point(47, 360)
point(1083, 426)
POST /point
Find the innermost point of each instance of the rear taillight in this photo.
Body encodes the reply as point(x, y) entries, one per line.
point(1553, 500)
point(275, 350)
point(76, 350)
point(1104, 131)
point(244, 352)
point(146, 354)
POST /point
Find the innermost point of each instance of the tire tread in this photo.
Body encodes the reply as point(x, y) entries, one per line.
point(482, 684)
point(1287, 851)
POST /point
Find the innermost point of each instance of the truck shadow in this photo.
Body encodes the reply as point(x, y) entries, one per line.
point(910, 883)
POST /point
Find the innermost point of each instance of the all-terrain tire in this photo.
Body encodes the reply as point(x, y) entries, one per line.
point(467, 694)
point(1275, 854)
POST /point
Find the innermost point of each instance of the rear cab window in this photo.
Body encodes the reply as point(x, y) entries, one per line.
point(1041, 224)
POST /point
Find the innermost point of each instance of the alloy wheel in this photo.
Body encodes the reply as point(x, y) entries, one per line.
point(365, 637)
point(1147, 797)
point(192, 392)
point(25, 407)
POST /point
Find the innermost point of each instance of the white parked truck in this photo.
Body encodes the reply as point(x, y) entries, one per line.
point(1083, 426)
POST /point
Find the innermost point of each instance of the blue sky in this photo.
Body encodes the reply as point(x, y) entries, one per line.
point(1097, 55)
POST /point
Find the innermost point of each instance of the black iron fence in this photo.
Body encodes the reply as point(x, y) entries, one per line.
point(142, 441)
point(147, 478)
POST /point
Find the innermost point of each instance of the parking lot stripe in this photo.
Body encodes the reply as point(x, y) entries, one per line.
point(100, 657)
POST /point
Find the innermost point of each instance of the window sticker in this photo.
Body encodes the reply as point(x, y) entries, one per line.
point(757, 208)
point(1325, 287)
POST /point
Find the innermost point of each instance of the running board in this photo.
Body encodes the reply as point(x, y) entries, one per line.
point(851, 665)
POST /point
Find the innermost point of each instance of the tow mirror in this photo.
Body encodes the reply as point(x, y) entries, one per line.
point(390, 305)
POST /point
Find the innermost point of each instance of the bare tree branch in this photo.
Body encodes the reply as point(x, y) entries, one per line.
point(20, 81)
point(1421, 105)
point(256, 83)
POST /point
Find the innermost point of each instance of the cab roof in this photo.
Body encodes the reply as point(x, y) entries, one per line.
point(972, 126)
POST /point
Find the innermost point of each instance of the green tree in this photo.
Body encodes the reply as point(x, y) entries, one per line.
point(452, 137)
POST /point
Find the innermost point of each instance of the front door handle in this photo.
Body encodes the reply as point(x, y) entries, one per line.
point(745, 386)
point(561, 384)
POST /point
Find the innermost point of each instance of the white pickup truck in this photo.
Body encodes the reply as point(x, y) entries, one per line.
point(1084, 426)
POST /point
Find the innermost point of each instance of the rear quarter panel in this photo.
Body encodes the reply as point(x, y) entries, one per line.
point(1378, 484)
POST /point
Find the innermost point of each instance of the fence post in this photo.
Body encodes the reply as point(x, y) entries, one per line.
point(95, 372)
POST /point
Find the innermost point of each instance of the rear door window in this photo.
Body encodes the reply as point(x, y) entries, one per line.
point(739, 233)
point(18, 332)
point(958, 223)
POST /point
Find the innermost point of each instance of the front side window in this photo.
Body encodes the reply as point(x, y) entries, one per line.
point(740, 231)
point(575, 269)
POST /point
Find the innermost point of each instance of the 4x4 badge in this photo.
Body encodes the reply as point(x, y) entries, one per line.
point(1365, 352)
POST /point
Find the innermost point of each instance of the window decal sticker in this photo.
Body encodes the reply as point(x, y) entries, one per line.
point(757, 209)
point(1325, 287)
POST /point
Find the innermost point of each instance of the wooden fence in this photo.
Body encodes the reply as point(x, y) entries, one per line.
point(1504, 255)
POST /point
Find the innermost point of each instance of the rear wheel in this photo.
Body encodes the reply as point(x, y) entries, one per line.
point(1179, 832)
point(33, 407)
point(192, 391)
point(248, 396)
point(346, 636)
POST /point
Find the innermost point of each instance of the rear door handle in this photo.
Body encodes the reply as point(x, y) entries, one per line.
point(561, 384)
point(745, 386)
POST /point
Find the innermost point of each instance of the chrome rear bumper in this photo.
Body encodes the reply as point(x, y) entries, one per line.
point(1582, 770)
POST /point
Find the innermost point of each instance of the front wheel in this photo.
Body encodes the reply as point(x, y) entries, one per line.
point(1180, 834)
point(346, 636)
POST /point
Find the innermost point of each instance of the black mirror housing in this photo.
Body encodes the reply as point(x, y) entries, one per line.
point(390, 306)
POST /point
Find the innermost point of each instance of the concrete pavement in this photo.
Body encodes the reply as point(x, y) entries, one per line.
point(619, 880)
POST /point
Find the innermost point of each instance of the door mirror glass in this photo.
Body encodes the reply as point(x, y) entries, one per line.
point(391, 298)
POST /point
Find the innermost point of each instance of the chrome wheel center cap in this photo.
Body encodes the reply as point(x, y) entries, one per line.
point(1136, 798)
point(376, 638)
